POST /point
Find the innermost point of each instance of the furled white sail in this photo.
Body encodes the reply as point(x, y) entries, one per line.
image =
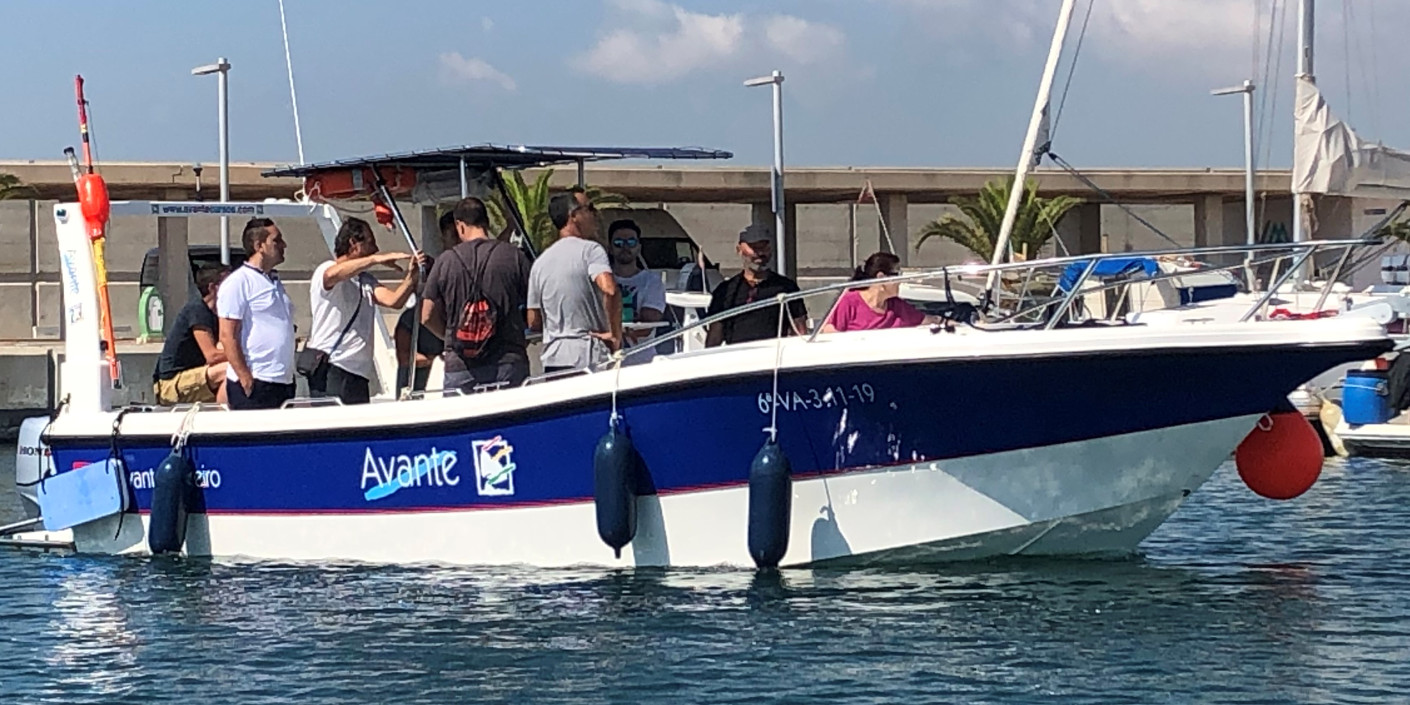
point(1330, 158)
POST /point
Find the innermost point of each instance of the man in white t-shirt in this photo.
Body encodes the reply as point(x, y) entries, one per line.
point(643, 292)
point(257, 323)
point(343, 297)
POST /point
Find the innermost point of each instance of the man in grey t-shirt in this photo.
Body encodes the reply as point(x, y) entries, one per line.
point(573, 296)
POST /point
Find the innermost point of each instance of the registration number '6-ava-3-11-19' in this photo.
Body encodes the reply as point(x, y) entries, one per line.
point(817, 398)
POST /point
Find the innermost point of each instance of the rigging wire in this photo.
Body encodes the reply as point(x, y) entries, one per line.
point(1273, 66)
point(1369, 87)
point(1062, 164)
point(1375, 75)
point(1071, 71)
point(1346, 20)
point(1057, 116)
point(92, 135)
point(1255, 33)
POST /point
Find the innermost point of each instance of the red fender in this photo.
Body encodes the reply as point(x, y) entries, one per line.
point(1280, 458)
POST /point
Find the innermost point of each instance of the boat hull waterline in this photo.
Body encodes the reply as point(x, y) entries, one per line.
point(902, 459)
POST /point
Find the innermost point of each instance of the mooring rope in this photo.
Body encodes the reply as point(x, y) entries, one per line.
point(778, 362)
point(617, 357)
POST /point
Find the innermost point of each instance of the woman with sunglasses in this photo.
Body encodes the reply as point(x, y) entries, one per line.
point(876, 306)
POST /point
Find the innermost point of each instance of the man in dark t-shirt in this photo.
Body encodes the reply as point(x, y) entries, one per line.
point(191, 367)
point(480, 268)
point(756, 283)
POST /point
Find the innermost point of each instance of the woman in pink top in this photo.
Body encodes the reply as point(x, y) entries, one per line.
point(875, 306)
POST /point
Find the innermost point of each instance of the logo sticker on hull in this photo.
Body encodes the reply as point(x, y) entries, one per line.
point(494, 467)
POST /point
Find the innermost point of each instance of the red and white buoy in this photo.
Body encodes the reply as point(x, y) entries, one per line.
point(1281, 457)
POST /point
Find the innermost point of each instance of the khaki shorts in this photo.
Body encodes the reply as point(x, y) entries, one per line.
point(186, 387)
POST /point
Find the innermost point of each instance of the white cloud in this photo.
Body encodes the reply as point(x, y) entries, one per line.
point(1204, 33)
point(459, 69)
point(1192, 29)
point(486, 24)
point(658, 42)
point(803, 41)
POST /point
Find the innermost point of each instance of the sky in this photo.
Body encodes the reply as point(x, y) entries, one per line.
point(909, 83)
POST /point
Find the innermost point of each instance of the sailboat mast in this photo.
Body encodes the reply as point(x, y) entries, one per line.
point(1037, 124)
point(1306, 33)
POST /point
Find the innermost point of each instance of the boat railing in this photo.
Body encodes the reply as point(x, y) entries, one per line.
point(1280, 277)
point(1060, 305)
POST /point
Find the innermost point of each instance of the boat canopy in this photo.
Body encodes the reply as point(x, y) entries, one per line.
point(1192, 287)
point(435, 175)
point(490, 156)
point(1108, 269)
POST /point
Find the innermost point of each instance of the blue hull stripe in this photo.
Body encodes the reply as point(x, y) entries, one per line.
point(704, 436)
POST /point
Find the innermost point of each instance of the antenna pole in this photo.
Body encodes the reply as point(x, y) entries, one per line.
point(293, 95)
point(1306, 70)
point(1037, 123)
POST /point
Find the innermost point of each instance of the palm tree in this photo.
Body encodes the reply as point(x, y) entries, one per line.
point(531, 200)
point(11, 187)
point(978, 231)
point(1398, 229)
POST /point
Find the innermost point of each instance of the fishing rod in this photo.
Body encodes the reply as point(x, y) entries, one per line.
point(93, 203)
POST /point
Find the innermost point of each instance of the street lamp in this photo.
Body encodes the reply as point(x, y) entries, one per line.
point(222, 67)
point(1247, 90)
point(776, 187)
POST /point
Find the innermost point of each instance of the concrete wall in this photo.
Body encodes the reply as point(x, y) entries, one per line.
point(29, 274)
point(832, 239)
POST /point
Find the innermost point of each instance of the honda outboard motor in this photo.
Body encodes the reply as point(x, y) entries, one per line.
point(32, 463)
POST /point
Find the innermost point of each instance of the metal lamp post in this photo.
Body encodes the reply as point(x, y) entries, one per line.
point(776, 80)
point(221, 67)
point(1247, 90)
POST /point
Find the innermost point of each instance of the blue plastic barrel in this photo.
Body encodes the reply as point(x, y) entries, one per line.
point(1364, 399)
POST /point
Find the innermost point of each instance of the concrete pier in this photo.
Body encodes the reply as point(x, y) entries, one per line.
point(29, 379)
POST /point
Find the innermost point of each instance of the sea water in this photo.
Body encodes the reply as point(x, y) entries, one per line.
point(1235, 600)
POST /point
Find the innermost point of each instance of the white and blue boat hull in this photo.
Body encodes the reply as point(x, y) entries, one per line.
point(938, 447)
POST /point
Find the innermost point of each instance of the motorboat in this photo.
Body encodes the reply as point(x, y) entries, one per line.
point(926, 444)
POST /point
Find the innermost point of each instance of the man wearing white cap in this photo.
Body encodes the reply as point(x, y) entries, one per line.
point(758, 282)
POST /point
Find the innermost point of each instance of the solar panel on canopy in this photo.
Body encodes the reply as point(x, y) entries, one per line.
point(506, 156)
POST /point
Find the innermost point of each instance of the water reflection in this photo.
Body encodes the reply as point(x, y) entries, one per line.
point(94, 647)
point(1236, 600)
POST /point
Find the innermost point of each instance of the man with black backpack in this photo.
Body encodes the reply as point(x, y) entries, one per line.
point(475, 302)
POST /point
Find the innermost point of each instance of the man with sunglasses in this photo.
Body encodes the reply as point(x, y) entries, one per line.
point(573, 297)
point(643, 292)
point(757, 282)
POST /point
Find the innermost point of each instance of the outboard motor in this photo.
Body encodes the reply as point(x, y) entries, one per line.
point(33, 463)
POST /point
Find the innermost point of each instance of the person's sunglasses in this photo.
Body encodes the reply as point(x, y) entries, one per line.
point(624, 242)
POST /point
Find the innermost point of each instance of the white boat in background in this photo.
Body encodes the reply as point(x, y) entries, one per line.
point(1330, 159)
